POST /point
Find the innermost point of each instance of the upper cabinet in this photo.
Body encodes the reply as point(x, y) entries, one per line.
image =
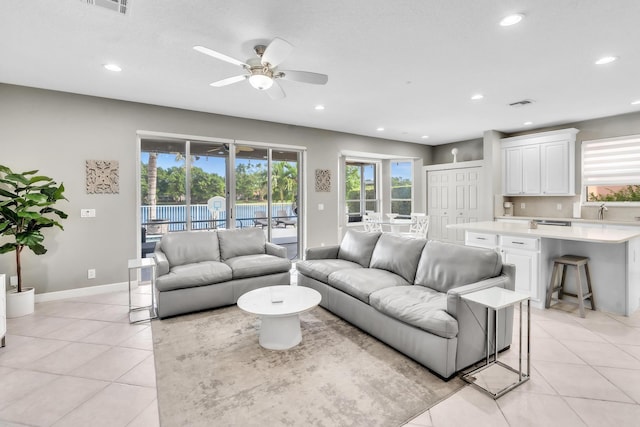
point(540, 164)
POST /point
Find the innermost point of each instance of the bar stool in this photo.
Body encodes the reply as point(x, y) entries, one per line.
point(560, 272)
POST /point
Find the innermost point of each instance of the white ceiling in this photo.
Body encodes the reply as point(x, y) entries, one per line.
point(409, 66)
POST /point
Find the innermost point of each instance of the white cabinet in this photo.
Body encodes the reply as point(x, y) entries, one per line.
point(557, 168)
point(523, 252)
point(521, 170)
point(541, 164)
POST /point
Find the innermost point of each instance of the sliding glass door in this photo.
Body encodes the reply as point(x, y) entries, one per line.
point(201, 185)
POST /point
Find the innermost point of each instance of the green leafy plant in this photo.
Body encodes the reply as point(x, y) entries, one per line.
point(629, 193)
point(26, 201)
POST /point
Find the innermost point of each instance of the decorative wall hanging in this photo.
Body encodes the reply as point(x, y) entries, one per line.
point(102, 177)
point(323, 180)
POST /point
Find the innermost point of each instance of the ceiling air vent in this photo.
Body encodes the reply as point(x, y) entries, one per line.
point(119, 6)
point(521, 103)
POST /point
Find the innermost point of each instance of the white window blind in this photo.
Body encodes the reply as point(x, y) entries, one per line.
point(614, 161)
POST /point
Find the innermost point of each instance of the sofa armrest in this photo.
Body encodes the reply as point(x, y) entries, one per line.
point(162, 263)
point(322, 252)
point(472, 318)
point(276, 250)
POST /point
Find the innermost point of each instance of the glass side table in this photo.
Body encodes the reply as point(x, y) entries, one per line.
point(494, 377)
point(137, 266)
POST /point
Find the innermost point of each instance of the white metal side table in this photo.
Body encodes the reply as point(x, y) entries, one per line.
point(496, 299)
point(136, 266)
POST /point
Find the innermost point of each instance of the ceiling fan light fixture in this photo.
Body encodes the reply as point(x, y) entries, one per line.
point(260, 81)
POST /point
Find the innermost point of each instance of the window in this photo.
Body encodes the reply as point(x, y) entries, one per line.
point(611, 169)
point(401, 187)
point(361, 188)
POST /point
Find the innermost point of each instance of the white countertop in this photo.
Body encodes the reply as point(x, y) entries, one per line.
point(572, 220)
point(586, 234)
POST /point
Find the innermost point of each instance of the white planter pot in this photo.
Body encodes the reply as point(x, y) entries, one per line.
point(20, 303)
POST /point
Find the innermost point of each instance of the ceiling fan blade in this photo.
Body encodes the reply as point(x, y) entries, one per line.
point(217, 149)
point(277, 51)
point(220, 56)
point(305, 77)
point(275, 91)
point(229, 81)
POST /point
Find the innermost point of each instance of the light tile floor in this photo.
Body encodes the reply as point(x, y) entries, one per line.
point(78, 362)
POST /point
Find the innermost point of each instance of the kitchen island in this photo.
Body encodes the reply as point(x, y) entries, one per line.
point(614, 258)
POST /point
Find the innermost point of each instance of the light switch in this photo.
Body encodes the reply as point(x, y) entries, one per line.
point(87, 213)
point(320, 206)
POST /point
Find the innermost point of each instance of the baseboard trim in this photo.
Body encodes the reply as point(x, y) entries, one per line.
point(83, 292)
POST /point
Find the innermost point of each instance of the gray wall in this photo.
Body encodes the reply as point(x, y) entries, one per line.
point(57, 132)
point(467, 151)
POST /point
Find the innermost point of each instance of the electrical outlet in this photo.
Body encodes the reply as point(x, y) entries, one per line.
point(91, 273)
point(523, 206)
point(87, 213)
point(559, 206)
point(13, 281)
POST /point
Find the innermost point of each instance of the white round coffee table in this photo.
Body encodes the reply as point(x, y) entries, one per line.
point(278, 308)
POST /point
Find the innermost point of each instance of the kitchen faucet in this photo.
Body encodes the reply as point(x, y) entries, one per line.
point(601, 211)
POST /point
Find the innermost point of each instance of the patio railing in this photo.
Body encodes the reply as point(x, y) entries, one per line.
point(174, 217)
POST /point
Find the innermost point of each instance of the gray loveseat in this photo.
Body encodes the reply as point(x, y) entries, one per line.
point(406, 292)
point(198, 270)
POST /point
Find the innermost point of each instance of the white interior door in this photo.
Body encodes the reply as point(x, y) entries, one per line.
point(453, 198)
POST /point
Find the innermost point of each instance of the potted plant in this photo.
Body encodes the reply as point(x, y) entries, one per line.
point(26, 207)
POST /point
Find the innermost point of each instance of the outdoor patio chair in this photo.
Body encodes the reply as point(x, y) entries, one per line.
point(285, 219)
point(261, 220)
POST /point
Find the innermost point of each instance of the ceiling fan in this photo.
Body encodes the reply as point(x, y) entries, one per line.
point(224, 148)
point(262, 71)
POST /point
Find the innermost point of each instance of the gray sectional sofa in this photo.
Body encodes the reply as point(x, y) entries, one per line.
point(407, 293)
point(198, 270)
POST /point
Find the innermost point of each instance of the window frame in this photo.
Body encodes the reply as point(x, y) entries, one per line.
point(411, 198)
point(376, 178)
point(584, 194)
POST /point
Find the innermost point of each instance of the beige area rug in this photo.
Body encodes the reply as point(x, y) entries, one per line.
point(211, 371)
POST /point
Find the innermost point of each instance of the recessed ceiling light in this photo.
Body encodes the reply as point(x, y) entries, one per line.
point(606, 60)
point(477, 97)
point(636, 102)
point(319, 107)
point(511, 19)
point(112, 67)
point(527, 123)
point(380, 129)
point(425, 137)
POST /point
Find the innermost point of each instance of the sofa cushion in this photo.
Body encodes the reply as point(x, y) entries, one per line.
point(418, 306)
point(195, 274)
point(398, 254)
point(320, 269)
point(361, 282)
point(444, 266)
point(257, 265)
point(187, 247)
point(357, 246)
point(241, 241)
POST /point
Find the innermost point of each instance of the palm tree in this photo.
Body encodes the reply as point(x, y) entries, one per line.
point(152, 182)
